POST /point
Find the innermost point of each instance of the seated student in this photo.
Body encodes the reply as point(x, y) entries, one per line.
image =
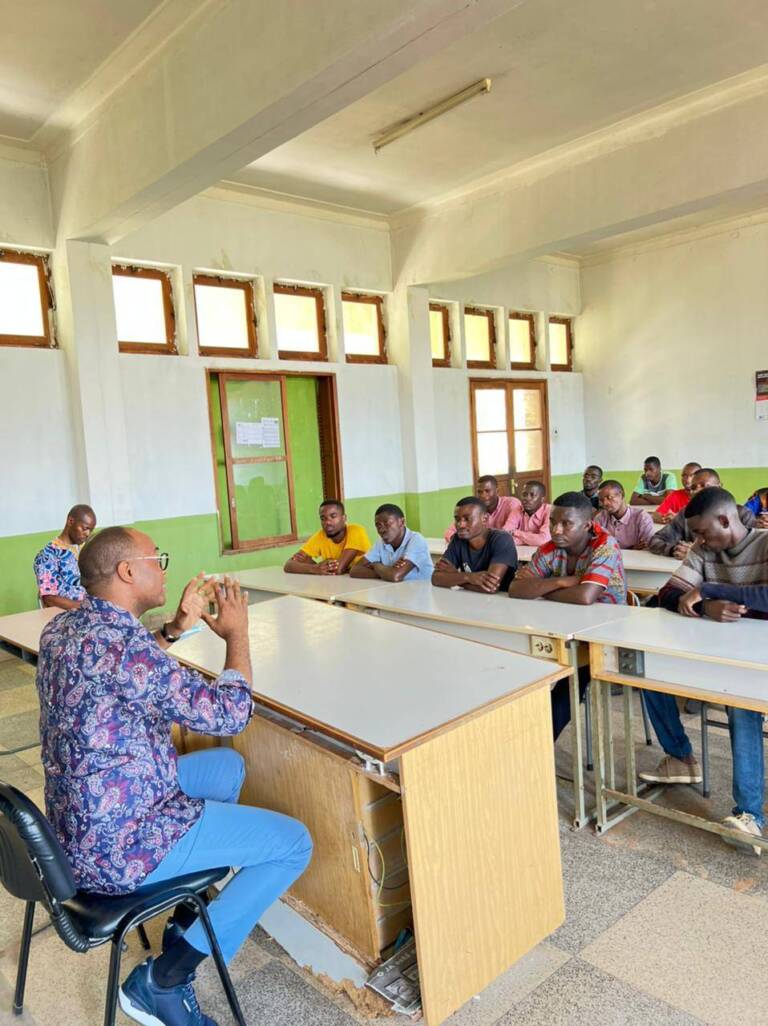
point(721, 575)
point(503, 510)
point(675, 539)
point(533, 522)
point(653, 485)
point(677, 500)
point(337, 544)
point(400, 554)
point(590, 483)
point(56, 569)
point(757, 503)
point(582, 565)
point(632, 528)
point(478, 557)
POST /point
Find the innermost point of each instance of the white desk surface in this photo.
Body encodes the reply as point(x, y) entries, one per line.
point(634, 559)
point(496, 612)
point(328, 588)
point(379, 686)
point(657, 630)
point(24, 629)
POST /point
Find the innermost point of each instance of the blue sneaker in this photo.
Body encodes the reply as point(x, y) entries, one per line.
point(142, 1000)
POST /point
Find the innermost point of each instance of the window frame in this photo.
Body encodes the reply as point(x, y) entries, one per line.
point(40, 260)
point(378, 302)
point(441, 308)
point(568, 322)
point(523, 315)
point(169, 347)
point(246, 286)
point(318, 294)
point(490, 315)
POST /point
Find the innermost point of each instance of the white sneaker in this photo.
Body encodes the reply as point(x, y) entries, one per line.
point(747, 824)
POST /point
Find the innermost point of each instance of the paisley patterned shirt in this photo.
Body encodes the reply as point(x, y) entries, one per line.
point(57, 571)
point(108, 695)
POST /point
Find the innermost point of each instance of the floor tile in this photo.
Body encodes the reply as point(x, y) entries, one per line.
point(19, 700)
point(21, 730)
point(699, 946)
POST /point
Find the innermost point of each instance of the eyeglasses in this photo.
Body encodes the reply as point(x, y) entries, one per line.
point(162, 557)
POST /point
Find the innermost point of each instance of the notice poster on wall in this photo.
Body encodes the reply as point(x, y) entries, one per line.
point(761, 395)
point(249, 432)
point(270, 432)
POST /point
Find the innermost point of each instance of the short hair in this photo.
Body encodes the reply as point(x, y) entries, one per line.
point(710, 501)
point(652, 461)
point(80, 511)
point(333, 502)
point(610, 483)
point(594, 466)
point(390, 507)
point(575, 500)
point(472, 500)
point(692, 463)
point(709, 472)
point(101, 554)
point(488, 479)
point(536, 484)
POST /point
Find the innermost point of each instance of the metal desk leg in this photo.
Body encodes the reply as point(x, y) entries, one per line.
point(588, 725)
point(609, 768)
point(629, 742)
point(704, 750)
point(598, 753)
point(579, 808)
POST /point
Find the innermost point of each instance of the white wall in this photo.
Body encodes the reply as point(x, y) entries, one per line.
point(669, 340)
point(25, 206)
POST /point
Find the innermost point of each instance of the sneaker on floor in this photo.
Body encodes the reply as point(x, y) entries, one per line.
point(143, 1001)
point(747, 823)
point(673, 771)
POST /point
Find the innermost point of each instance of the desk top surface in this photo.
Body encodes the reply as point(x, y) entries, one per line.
point(634, 559)
point(24, 629)
point(382, 687)
point(327, 588)
point(657, 630)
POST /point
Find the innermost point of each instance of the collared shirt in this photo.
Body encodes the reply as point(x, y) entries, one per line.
point(414, 548)
point(57, 570)
point(667, 482)
point(499, 548)
point(600, 563)
point(503, 518)
point(533, 528)
point(674, 502)
point(634, 528)
point(108, 695)
point(320, 546)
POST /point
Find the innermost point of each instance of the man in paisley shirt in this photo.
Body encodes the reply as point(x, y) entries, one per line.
point(127, 810)
point(56, 569)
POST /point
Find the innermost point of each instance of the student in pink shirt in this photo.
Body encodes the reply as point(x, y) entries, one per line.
point(533, 521)
point(503, 510)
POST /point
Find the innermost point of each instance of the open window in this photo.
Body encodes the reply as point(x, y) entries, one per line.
point(480, 337)
point(561, 343)
point(364, 334)
point(300, 322)
point(146, 322)
point(226, 321)
point(440, 334)
point(522, 340)
point(25, 300)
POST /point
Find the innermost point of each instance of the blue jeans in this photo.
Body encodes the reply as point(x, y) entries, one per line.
point(746, 731)
point(272, 850)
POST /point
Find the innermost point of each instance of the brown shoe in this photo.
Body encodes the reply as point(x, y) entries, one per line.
point(673, 771)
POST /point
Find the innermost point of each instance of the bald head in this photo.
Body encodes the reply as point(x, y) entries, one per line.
point(100, 557)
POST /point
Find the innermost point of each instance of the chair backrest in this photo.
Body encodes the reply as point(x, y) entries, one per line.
point(633, 599)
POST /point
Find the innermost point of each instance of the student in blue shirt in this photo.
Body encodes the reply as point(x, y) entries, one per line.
point(399, 555)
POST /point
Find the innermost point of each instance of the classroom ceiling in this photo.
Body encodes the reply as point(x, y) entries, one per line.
point(560, 71)
point(50, 48)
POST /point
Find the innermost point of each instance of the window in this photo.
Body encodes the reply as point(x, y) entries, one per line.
point(522, 340)
point(300, 322)
point(25, 300)
point(146, 322)
point(226, 322)
point(480, 335)
point(510, 432)
point(440, 334)
point(363, 328)
point(561, 343)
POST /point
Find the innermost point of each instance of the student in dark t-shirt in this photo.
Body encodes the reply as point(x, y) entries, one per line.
point(477, 558)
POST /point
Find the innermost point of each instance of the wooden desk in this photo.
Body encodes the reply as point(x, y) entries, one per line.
point(656, 650)
point(20, 632)
point(272, 581)
point(468, 796)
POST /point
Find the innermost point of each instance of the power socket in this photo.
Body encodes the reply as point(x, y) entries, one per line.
point(542, 647)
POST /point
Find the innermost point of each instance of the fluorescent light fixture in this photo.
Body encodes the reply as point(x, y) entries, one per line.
point(403, 127)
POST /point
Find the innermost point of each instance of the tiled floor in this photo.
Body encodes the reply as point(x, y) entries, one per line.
point(665, 925)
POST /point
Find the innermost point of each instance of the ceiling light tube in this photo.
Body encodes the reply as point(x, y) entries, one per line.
point(401, 129)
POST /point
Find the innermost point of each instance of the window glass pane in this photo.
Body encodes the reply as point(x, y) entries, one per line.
point(437, 334)
point(221, 317)
point(490, 409)
point(139, 310)
point(20, 308)
point(526, 408)
point(255, 419)
point(520, 349)
point(493, 453)
point(528, 451)
point(477, 333)
point(558, 344)
point(261, 498)
point(361, 328)
point(296, 321)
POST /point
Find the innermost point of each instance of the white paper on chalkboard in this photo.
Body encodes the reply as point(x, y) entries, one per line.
point(270, 432)
point(249, 432)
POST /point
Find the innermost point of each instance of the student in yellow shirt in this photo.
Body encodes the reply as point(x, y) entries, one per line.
point(337, 544)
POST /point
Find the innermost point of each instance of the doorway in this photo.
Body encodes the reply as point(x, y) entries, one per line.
point(510, 432)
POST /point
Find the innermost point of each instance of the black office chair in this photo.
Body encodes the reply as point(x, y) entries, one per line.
point(33, 867)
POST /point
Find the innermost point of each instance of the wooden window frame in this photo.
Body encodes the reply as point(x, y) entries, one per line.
point(39, 260)
point(378, 302)
point(521, 315)
point(441, 308)
point(246, 287)
point(284, 289)
point(168, 348)
point(490, 363)
point(568, 322)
